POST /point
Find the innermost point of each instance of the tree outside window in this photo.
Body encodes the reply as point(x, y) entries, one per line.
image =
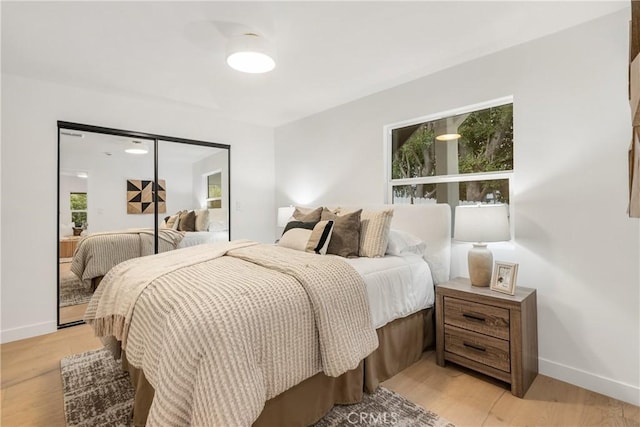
point(78, 205)
point(462, 158)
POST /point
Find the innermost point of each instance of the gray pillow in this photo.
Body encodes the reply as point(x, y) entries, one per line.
point(187, 221)
point(307, 215)
point(345, 237)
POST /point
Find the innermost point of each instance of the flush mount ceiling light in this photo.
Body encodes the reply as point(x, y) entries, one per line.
point(250, 53)
point(136, 147)
point(448, 137)
point(82, 175)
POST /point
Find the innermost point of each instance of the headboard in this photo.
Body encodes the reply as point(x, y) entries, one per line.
point(430, 222)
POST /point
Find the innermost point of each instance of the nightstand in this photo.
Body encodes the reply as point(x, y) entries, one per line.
point(492, 333)
point(68, 246)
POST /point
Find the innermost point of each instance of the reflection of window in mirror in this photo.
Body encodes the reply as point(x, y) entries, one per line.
point(73, 201)
point(78, 207)
point(214, 190)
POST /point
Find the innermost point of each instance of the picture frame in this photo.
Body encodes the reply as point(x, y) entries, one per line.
point(504, 277)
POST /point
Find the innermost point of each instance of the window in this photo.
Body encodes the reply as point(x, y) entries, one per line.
point(463, 156)
point(78, 205)
point(214, 190)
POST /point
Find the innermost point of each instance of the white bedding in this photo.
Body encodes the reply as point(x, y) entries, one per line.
point(396, 285)
point(192, 238)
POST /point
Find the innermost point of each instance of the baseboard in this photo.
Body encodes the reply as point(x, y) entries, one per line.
point(599, 384)
point(15, 334)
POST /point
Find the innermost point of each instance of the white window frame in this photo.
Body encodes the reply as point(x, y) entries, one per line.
point(207, 199)
point(439, 179)
point(72, 211)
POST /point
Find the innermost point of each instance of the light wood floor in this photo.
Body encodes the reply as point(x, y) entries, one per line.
point(466, 398)
point(71, 313)
point(32, 390)
point(31, 382)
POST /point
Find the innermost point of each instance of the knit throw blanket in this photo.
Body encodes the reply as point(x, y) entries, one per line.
point(219, 329)
point(97, 253)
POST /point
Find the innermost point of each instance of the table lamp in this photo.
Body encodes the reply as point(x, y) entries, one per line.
point(284, 214)
point(481, 224)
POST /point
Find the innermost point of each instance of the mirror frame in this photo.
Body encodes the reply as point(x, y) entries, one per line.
point(127, 134)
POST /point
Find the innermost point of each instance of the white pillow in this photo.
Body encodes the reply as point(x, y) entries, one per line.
point(218, 219)
point(401, 242)
point(218, 226)
point(307, 236)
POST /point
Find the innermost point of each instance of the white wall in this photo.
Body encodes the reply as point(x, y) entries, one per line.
point(573, 240)
point(30, 109)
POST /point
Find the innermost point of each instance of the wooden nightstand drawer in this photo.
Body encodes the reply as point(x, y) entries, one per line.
point(482, 318)
point(487, 350)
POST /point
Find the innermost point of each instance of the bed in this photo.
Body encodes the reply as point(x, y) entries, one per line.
point(97, 253)
point(398, 294)
point(192, 238)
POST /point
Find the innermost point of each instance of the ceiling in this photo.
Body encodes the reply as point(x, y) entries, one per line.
point(80, 148)
point(328, 53)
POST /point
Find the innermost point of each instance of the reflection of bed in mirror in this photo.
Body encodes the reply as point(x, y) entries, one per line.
point(108, 201)
point(192, 238)
point(97, 253)
point(200, 226)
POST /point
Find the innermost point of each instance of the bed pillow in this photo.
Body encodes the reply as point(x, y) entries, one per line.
point(202, 219)
point(172, 221)
point(401, 242)
point(218, 226)
point(187, 221)
point(345, 238)
point(307, 236)
point(307, 214)
point(374, 232)
point(218, 219)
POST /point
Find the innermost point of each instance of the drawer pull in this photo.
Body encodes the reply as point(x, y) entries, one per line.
point(474, 346)
point(474, 317)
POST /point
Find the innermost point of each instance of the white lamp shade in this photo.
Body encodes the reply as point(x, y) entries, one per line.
point(250, 53)
point(284, 214)
point(482, 223)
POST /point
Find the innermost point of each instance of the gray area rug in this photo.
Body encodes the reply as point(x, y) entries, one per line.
point(98, 393)
point(71, 291)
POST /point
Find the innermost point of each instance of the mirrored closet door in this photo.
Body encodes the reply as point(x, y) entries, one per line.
point(199, 202)
point(124, 195)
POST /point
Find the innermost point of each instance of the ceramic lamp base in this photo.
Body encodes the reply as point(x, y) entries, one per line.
point(480, 265)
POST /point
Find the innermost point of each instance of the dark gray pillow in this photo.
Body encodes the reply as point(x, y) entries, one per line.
point(187, 221)
point(345, 237)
